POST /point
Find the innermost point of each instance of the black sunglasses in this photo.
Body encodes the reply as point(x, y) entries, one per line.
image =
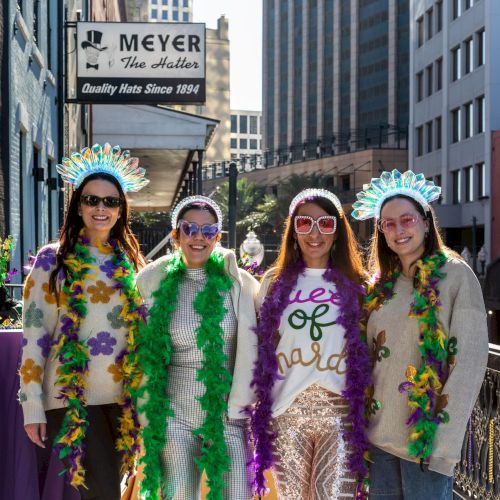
point(93, 201)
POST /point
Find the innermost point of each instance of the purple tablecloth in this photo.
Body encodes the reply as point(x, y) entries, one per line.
point(25, 473)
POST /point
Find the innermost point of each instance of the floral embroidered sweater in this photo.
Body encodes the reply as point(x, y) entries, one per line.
point(103, 330)
point(311, 344)
point(393, 338)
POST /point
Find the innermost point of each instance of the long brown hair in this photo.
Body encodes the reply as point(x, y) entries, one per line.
point(383, 261)
point(344, 254)
point(73, 224)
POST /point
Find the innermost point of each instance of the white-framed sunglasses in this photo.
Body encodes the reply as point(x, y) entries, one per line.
point(303, 224)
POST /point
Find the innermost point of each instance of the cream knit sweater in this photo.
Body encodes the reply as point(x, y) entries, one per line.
point(393, 337)
point(103, 330)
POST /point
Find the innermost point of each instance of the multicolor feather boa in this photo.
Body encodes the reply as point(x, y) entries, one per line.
point(265, 373)
point(423, 386)
point(72, 353)
point(154, 356)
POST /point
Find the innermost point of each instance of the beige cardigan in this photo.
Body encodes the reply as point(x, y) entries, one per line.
point(243, 295)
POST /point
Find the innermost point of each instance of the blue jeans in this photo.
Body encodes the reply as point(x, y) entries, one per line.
point(393, 478)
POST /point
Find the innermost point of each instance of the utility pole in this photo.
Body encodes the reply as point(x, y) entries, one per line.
point(233, 177)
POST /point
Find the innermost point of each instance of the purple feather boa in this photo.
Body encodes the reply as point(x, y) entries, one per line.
point(265, 371)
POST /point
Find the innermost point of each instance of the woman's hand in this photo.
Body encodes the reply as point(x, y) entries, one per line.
point(37, 433)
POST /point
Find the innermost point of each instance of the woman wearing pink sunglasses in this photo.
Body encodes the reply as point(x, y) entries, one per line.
point(312, 368)
point(197, 353)
point(428, 334)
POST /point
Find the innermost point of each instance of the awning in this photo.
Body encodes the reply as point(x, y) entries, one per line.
point(164, 140)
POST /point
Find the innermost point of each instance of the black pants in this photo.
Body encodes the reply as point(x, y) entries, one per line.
point(101, 460)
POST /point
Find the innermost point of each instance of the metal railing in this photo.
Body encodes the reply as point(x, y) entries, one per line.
point(478, 473)
point(383, 137)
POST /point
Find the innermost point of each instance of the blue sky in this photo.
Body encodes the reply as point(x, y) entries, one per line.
point(245, 36)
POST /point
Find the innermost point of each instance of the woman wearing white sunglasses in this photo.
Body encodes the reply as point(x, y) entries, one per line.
point(312, 368)
point(197, 353)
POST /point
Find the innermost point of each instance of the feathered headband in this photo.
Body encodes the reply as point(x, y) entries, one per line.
point(200, 201)
point(390, 184)
point(103, 160)
point(310, 194)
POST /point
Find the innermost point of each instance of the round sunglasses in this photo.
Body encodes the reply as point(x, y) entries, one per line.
point(303, 224)
point(406, 221)
point(92, 200)
point(190, 229)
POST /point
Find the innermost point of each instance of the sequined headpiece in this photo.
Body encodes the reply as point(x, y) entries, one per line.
point(103, 160)
point(390, 184)
point(310, 194)
point(200, 201)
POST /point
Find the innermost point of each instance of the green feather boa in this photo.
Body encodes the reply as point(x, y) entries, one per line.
point(154, 357)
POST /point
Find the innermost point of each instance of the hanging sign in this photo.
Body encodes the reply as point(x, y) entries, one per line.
point(140, 63)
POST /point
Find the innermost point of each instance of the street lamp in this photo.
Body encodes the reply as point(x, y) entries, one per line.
point(251, 251)
point(466, 255)
point(481, 257)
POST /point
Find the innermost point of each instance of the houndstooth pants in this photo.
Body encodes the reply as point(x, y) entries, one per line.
point(184, 476)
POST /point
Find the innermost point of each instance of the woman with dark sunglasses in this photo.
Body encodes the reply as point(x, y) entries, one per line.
point(428, 335)
point(197, 353)
point(313, 366)
point(81, 316)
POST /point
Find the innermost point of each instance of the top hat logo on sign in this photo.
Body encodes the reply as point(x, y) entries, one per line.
point(92, 48)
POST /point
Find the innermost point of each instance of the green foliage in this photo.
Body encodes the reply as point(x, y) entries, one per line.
point(148, 220)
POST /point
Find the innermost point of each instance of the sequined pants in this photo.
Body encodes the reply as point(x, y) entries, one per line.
point(182, 475)
point(310, 452)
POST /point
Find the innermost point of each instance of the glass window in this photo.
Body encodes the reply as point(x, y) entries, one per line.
point(420, 141)
point(243, 124)
point(420, 31)
point(438, 132)
point(456, 9)
point(154, 13)
point(438, 182)
point(429, 19)
point(481, 118)
point(253, 143)
point(253, 124)
point(456, 55)
point(176, 3)
point(469, 183)
point(185, 17)
point(469, 120)
point(481, 180)
point(439, 74)
point(234, 143)
point(154, 2)
point(439, 16)
point(480, 51)
point(164, 15)
point(175, 15)
point(455, 125)
point(456, 186)
point(36, 22)
point(468, 4)
point(164, 2)
point(428, 129)
point(469, 55)
point(429, 73)
point(243, 144)
point(186, 3)
point(420, 86)
point(234, 124)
